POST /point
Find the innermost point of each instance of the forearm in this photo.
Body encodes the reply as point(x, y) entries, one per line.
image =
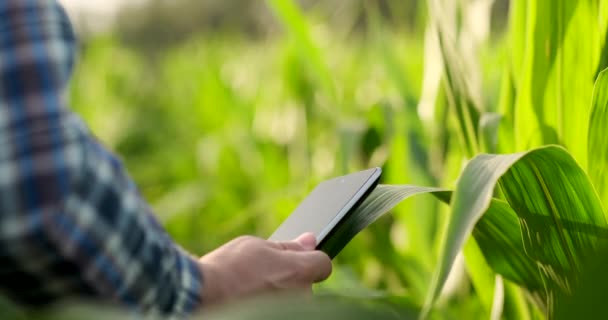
point(77, 222)
point(109, 231)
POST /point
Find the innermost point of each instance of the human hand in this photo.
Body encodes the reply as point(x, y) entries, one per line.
point(248, 265)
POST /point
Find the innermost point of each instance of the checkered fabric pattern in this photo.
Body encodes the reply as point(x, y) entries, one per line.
point(72, 223)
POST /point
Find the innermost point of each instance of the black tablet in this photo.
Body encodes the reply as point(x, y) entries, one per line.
point(327, 205)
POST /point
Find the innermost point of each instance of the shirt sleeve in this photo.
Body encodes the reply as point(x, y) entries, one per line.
point(70, 216)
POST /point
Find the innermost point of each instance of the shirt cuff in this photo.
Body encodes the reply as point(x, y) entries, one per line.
point(190, 297)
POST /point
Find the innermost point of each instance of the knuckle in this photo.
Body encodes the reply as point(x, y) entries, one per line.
point(251, 244)
point(245, 239)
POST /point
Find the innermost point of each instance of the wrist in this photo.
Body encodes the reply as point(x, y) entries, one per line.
point(212, 291)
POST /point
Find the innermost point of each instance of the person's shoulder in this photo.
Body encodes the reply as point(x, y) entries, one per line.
point(40, 24)
point(33, 16)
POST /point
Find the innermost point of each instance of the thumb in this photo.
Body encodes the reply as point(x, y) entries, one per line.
point(307, 240)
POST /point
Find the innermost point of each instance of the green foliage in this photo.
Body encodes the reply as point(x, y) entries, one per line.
point(560, 218)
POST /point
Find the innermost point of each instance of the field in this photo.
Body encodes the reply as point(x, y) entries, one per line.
point(225, 133)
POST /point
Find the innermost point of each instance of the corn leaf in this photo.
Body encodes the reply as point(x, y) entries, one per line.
point(515, 306)
point(483, 279)
point(518, 23)
point(598, 141)
point(560, 215)
point(603, 63)
point(561, 44)
point(497, 235)
point(380, 201)
point(456, 43)
point(506, 107)
point(489, 124)
point(464, 103)
point(571, 80)
point(541, 41)
point(499, 238)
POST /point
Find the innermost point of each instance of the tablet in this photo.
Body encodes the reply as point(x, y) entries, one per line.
point(327, 205)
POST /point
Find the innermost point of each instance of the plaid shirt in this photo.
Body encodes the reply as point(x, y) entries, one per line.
point(72, 223)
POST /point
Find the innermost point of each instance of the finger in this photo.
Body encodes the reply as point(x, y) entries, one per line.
point(315, 266)
point(305, 242)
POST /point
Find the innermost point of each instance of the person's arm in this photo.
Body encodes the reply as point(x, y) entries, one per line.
point(72, 221)
point(72, 202)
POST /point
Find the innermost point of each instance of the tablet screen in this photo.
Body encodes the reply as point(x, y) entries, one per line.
point(326, 205)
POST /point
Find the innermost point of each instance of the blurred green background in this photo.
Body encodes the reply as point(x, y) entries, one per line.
point(227, 113)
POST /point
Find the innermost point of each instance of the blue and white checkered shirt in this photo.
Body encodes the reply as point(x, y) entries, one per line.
point(72, 223)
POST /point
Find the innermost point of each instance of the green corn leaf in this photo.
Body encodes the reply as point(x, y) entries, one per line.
point(560, 215)
point(506, 107)
point(518, 22)
point(483, 279)
point(570, 207)
point(499, 238)
point(603, 23)
point(556, 48)
point(464, 102)
point(497, 233)
point(571, 83)
point(472, 199)
point(489, 124)
point(515, 306)
point(603, 63)
point(541, 41)
point(598, 140)
point(380, 201)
